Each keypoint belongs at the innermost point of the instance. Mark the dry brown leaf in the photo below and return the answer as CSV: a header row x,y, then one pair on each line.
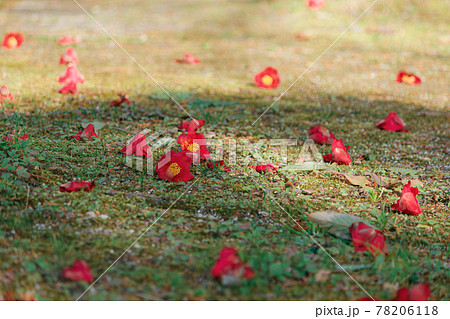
x,y
322,275
353,180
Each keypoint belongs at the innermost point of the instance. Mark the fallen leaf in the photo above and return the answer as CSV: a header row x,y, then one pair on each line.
x,y
336,223
378,180
322,275
353,180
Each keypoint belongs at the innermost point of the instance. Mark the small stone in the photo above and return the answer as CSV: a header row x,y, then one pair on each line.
x,y
91,214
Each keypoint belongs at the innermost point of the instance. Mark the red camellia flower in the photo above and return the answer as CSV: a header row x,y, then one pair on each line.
x,y
302,37
420,292
80,271
315,4
122,99
408,203
229,266
69,57
190,59
265,168
191,126
366,238
408,78
138,146
87,132
339,153
194,143
71,75
218,164
77,186
5,95
70,78
68,40
12,138
68,88
175,167
268,78
13,40
392,123
321,135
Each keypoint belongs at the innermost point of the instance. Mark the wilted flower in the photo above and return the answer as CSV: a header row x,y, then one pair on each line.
x,y
392,123
321,135
70,56
366,238
87,132
138,146
190,59
408,203
80,271
229,268
77,186
5,95
339,153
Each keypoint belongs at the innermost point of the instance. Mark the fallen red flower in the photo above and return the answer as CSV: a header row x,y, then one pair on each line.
x,y
71,75
407,202
13,40
191,126
392,123
302,37
194,143
12,138
267,78
11,296
5,95
265,168
408,78
68,40
68,88
175,167
420,292
190,59
80,271
137,146
218,164
315,4
229,264
339,153
122,99
321,135
87,132
77,186
366,238
70,56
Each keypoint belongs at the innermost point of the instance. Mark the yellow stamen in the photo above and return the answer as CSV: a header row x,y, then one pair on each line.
x,y
409,79
194,147
174,169
267,80
12,42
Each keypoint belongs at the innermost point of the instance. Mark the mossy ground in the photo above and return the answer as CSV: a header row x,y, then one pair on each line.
x,y
42,231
